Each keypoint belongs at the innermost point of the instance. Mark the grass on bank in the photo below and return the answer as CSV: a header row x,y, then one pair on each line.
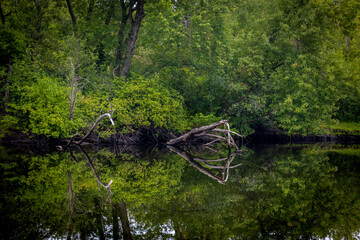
x,y
343,128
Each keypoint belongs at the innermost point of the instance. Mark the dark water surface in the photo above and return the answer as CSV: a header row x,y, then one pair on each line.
x,y
273,192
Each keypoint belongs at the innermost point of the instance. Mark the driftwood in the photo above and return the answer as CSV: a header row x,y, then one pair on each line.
x,y
108,114
210,132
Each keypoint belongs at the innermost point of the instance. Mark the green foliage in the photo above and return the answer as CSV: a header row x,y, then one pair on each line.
x,y
200,120
44,110
46,105
304,105
343,128
142,102
262,64
285,66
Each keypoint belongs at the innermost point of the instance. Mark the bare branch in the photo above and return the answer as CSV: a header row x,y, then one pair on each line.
x,y
188,135
222,130
210,160
72,138
93,127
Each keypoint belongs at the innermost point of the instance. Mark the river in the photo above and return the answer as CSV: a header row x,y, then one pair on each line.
x,y
265,192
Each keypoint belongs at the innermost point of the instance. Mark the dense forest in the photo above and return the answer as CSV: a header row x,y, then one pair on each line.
x,y
289,66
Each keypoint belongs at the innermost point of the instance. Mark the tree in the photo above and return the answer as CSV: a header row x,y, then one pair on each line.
x,y
126,44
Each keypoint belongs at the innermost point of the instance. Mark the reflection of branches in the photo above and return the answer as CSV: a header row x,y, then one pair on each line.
x,y
108,186
98,222
193,161
72,155
125,221
71,199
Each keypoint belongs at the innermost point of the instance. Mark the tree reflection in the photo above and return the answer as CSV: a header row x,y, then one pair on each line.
x,y
278,193
194,161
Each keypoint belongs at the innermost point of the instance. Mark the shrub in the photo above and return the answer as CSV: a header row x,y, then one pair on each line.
x,y
141,102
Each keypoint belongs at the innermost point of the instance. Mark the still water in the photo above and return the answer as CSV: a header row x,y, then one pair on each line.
x,y
267,192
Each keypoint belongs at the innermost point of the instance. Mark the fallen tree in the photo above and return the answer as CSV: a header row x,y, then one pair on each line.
x,y
211,132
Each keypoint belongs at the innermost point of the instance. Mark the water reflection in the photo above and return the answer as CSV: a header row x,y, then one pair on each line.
x,y
286,192
206,169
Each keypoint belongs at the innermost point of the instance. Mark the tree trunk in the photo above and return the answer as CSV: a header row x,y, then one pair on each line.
x,y
72,97
7,86
73,80
125,221
90,10
188,135
2,15
73,18
126,48
121,36
131,40
106,186
206,132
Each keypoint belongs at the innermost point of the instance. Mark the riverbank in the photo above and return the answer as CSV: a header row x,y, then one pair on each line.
x,y
343,129
276,138
341,132
344,133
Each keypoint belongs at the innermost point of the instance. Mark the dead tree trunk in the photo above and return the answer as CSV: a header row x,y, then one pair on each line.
x,y
7,86
74,83
109,115
210,132
71,199
193,132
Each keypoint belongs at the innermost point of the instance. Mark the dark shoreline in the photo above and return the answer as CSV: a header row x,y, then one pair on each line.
x,y
264,138
144,137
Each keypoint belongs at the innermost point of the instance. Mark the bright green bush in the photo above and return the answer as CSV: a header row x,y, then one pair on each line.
x,y
141,102
43,109
46,105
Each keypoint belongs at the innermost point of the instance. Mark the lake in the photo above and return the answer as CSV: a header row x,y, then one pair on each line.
x,y
266,192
